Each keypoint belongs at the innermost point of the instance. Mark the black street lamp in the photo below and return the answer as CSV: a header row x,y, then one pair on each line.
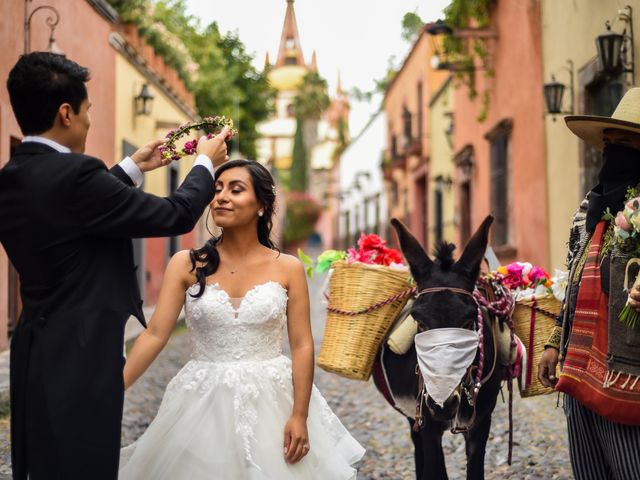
x,y
615,50
554,91
553,95
609,45
144,101
52,21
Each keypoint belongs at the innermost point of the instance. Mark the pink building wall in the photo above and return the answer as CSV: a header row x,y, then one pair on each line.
x,y
516,95
82,34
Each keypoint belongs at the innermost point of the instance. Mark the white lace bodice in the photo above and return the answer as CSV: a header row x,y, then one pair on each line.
x,y
251,332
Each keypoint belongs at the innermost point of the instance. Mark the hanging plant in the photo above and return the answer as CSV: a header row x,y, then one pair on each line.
x,y
463,14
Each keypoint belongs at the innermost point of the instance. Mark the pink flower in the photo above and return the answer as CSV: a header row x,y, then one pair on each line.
x,y
622,222
537,274
359,256
514,277
515,269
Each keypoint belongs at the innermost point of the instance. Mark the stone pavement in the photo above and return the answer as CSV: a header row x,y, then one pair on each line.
x,y
540,450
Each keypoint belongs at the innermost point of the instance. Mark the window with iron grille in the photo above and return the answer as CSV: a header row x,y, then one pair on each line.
x,y
173,182
406,126
499,139
420,111
439,227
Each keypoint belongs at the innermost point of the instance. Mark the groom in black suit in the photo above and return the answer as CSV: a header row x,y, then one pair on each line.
x,y
66,223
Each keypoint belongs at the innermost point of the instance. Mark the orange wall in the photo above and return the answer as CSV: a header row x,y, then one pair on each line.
x,y
410,173
83,35
516,94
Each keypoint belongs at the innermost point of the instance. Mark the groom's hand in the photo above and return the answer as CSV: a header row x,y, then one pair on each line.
x,y
215,148
148,157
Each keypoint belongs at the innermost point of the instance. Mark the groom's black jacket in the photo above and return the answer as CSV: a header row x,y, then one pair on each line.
x,y
66,223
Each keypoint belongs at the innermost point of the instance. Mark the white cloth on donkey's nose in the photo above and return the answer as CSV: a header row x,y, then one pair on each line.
x,y
444,354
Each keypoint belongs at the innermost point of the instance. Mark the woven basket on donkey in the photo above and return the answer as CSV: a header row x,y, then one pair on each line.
x,y
533,321
363,302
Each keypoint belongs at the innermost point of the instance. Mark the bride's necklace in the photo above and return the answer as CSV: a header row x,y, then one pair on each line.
x,y
234,269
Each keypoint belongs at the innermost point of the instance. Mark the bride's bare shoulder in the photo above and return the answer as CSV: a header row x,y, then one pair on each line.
x,y
181,267
291,267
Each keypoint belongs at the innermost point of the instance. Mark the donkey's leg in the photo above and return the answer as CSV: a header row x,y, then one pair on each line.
x,y
476,443
416,438
434,467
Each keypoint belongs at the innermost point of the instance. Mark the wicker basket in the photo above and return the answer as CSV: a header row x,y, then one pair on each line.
x,y
537,317
363,302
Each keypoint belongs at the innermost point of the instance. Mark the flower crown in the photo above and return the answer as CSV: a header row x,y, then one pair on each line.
x,y
210,125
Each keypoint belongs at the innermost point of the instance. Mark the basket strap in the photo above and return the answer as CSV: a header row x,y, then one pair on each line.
x,y
543,311
532,330
399,296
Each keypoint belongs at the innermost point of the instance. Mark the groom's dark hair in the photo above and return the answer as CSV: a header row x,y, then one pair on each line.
x,y
39,83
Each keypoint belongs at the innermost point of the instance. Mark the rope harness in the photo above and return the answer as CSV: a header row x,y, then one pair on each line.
x,y
501,307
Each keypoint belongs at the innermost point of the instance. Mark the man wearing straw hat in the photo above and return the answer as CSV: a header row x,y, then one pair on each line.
x,y
600,354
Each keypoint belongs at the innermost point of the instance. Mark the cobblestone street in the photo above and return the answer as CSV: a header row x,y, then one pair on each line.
x,y
540,439
540,449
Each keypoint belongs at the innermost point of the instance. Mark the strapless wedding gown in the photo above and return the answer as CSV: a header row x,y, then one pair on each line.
x,y
223,415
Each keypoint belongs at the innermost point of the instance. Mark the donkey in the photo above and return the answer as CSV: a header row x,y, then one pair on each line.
x,y
447,303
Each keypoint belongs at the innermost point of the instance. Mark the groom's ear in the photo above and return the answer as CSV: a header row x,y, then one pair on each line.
x,y
64,115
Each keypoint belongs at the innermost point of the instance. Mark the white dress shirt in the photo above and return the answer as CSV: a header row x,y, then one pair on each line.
x,y
127,164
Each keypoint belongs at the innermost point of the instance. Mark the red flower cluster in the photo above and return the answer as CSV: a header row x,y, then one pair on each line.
x,y
373,250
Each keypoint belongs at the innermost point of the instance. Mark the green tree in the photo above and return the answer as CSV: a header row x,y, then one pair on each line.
x,y
311,97
411,26
299,180
310,102
215,67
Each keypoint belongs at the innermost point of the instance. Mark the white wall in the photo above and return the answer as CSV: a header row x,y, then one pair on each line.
x,y
364,154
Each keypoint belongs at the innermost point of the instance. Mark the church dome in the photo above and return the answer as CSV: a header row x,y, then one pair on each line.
x,y
287,77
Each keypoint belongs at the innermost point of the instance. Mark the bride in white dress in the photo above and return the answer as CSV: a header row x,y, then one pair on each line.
x,y
239,409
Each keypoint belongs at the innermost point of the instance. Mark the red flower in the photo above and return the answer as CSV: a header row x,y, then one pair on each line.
x,y
371,242
392,256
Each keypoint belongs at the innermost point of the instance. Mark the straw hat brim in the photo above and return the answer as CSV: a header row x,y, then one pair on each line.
x,y
590,128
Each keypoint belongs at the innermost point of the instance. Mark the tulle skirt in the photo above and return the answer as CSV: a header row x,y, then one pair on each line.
x,y
225,420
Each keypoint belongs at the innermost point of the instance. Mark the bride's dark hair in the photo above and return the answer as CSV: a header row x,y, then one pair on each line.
x,y
265,190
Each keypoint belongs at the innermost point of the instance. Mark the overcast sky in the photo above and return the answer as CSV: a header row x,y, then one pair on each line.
x,y
355,37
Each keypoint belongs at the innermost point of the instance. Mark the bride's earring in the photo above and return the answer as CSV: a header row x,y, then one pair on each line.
x,y
260,213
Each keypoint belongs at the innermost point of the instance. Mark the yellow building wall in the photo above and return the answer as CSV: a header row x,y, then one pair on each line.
x,y
140,129
441,163
569,30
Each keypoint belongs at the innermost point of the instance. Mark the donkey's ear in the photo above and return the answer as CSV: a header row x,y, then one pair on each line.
x,y
476,247
419,261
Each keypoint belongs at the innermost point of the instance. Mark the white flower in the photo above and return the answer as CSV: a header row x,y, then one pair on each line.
x,y
560,279
635,221
526,267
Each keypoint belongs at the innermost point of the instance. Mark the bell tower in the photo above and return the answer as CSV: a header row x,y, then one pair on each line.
x,y
290,51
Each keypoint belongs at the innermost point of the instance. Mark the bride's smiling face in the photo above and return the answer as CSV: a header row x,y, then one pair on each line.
x,y
235,203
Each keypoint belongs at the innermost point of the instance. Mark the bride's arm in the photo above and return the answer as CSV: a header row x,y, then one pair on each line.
x,y
153,339
301,343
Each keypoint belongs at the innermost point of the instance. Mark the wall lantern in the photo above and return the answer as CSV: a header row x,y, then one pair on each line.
x,y
465,164
615,50
451,128
52,21
443,183
144,101
554,91
439,59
